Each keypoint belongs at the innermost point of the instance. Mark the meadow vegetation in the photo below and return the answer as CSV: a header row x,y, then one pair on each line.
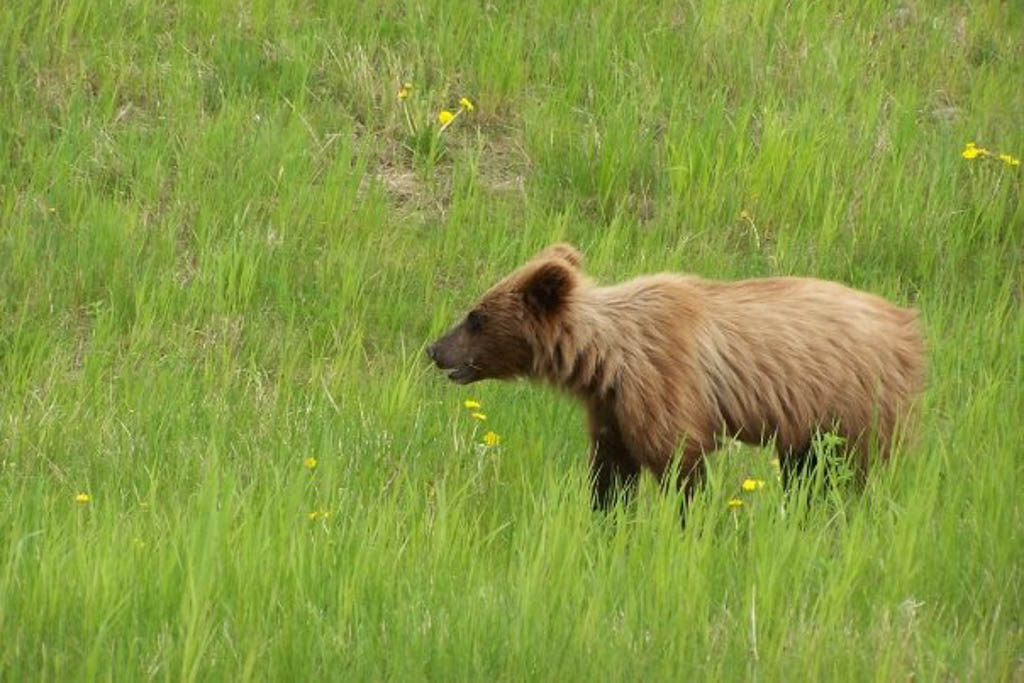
x,y
225,240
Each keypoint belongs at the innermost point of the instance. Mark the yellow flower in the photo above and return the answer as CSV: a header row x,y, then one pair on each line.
x,y
466,104
478,416
735,503
471,404
973,152
318,514
752,484
82,498
445,117
491,439
310,463
1009,160
403,92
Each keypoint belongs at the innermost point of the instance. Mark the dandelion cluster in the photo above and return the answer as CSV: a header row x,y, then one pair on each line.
x,y
473,406
972,151
445,117
746,486
82,498
475,409
320,513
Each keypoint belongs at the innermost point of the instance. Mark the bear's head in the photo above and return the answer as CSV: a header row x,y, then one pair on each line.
x,y
498,337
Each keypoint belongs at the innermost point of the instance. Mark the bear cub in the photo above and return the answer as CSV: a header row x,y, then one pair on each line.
x,y
673,364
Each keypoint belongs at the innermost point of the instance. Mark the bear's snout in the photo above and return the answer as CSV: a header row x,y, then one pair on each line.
x,y
450,355
440,352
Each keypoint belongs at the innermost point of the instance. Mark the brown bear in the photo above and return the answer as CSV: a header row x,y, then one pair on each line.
x,y
675,363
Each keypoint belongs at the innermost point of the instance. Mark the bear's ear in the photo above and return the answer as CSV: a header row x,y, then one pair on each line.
x,y
562,250
546,288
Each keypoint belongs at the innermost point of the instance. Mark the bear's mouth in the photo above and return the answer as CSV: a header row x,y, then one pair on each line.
x,y
464,374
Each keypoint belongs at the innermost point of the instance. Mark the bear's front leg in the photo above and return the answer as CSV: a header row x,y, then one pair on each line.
x,y
612,467
608,478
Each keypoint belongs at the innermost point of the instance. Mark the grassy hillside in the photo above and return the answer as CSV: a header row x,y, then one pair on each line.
x,y
225,241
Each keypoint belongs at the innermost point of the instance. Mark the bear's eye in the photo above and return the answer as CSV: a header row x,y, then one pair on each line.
x,y
475,321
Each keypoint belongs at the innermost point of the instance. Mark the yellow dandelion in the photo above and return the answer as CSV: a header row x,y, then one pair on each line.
x,y
318,514
735,503
309,463
82,498
1009,160
466,104
491,439
445,117
972,151
471,404
478,416
403,92
752,484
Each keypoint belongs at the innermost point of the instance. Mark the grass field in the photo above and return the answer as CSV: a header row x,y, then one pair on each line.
x,y
225,242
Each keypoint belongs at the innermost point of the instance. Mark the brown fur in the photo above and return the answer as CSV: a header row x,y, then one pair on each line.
x,y
668,363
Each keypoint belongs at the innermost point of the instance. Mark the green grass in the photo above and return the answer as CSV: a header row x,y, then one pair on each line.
x,y
219,256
